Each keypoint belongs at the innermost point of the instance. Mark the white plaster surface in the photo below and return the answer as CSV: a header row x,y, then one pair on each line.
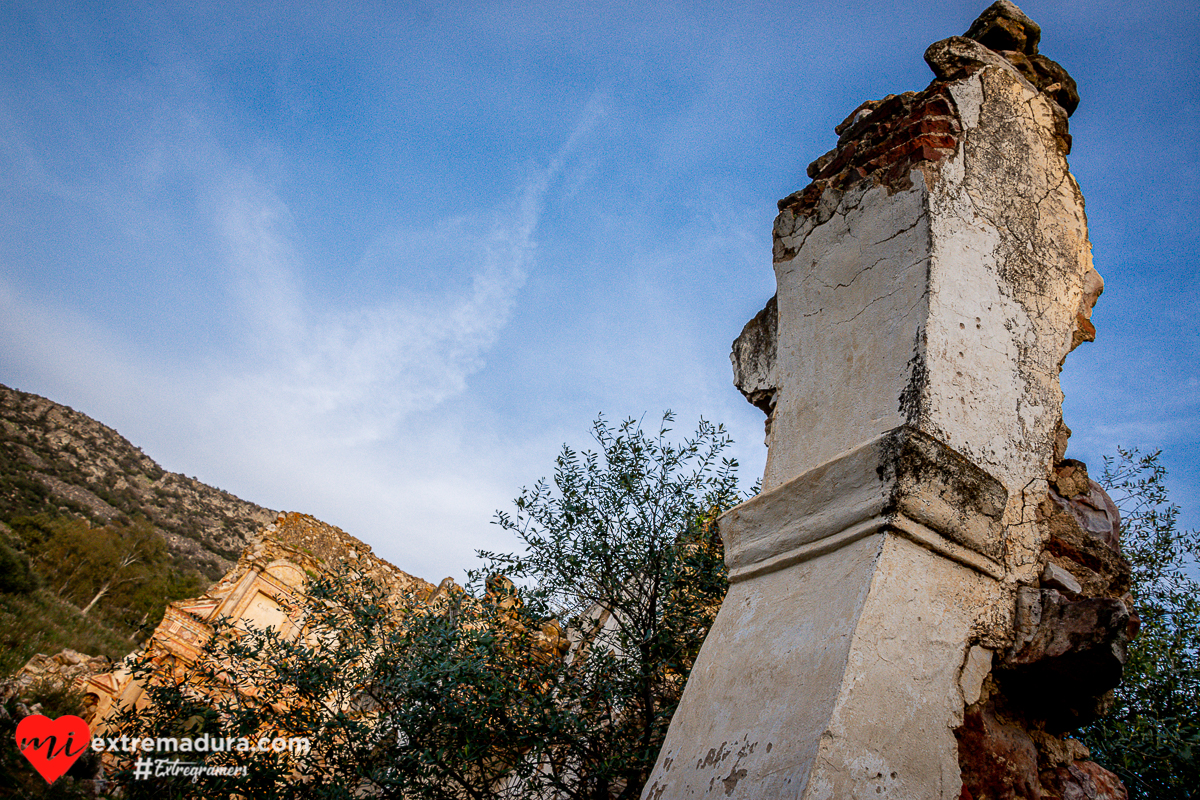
x,y
766,681
855,692
891,733
851,303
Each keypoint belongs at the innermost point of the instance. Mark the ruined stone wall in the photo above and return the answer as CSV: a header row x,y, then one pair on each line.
x,y
928,597
268,578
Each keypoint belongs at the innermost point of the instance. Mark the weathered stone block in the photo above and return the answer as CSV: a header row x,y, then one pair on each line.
x,y
1003,26
1067,654
902,481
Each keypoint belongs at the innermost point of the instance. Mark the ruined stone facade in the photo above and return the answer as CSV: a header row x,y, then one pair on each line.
x,y
926,598
267,579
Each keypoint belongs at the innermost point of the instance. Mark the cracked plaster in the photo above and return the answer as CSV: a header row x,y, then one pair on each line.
x,y
946,303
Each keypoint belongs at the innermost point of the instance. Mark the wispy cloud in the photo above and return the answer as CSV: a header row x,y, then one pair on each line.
x,y
353,374
310,404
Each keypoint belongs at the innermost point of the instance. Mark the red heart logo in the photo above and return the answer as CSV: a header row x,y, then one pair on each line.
x,y
52,745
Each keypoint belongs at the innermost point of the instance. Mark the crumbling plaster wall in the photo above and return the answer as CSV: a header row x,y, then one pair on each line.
x,y
936,274
1015,298
948,304
931,280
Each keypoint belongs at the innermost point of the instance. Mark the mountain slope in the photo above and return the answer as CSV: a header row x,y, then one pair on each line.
x,y
57,461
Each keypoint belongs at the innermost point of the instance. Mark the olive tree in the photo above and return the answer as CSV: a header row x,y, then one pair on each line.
x,y
623,547
554,673
1151,737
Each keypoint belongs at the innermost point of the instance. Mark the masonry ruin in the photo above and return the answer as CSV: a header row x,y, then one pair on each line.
x,y
927,597
267,580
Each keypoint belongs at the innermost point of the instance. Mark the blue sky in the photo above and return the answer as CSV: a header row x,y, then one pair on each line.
x,y
378,263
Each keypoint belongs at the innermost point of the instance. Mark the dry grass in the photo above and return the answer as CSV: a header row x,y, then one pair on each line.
x,y
41,623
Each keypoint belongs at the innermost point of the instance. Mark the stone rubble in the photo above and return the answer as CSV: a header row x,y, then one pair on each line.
x,y
64,669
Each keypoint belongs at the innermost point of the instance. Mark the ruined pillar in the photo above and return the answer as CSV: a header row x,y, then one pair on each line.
x,y
885,631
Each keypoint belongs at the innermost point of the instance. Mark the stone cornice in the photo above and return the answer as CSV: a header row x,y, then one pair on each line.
x,y
903,481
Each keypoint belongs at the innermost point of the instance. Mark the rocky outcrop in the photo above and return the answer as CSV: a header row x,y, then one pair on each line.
x,y
61,670
56,460
1066,655
1003,28
1003,36
1012,758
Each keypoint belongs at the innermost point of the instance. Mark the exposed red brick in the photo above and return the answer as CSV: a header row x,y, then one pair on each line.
x,y
883,141
938,105
944,125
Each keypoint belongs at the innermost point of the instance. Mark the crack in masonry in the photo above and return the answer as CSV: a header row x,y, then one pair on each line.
x,y
1004,259
857,275
843,210
1051,190
874,264
1033,202
803,241
837,236
1022,521
863,310
923,215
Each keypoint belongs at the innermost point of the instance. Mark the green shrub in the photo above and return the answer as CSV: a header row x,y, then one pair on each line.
x,y
16,576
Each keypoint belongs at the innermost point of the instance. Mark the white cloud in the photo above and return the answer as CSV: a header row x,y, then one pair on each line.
x,y
353,374
337,411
